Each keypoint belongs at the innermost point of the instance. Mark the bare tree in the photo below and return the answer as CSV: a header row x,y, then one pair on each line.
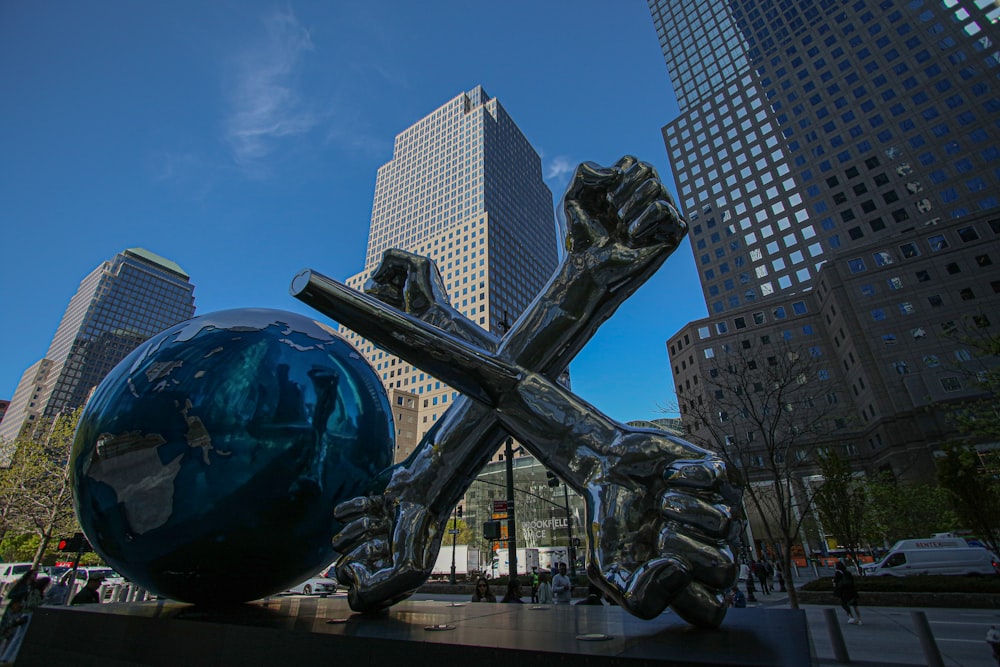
x,y
765,407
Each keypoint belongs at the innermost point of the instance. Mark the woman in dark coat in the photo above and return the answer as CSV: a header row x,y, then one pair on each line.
x,y
843,588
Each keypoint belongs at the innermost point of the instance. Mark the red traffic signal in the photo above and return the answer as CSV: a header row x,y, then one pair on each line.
x,y
76,544
69,544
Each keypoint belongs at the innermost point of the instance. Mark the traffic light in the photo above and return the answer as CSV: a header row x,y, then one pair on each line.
x,y
70,543
552,479
459,511
491,530
76,544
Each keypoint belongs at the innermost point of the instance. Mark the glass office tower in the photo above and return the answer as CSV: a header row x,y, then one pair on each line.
x,y
808,127
839,163
120,304
464,187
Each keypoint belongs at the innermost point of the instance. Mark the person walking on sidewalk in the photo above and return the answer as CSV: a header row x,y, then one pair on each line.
x,y
843,588
757,567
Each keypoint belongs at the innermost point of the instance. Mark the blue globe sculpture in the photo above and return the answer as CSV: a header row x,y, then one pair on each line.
x,y
207,464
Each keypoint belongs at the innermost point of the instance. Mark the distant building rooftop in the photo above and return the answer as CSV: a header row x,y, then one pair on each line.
x,y
173,267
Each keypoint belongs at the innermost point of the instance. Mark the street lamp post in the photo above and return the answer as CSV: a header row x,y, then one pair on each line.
x,y
511,535
569,533
454,537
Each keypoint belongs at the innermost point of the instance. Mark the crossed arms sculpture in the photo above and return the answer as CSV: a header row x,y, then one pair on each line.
x,y
659,511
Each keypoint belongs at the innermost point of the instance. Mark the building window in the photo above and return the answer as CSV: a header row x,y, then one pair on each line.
x,y
937,242
968,234
951,383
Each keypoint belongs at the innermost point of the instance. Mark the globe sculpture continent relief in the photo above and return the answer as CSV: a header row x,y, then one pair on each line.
x,y
207,464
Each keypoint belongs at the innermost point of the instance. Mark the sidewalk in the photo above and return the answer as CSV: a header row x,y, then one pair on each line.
x,y
889,635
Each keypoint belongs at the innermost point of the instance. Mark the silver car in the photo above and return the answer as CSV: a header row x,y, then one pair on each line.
x,y
314,585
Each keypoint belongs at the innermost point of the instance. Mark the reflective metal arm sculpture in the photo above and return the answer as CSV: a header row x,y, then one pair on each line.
x,y
658,508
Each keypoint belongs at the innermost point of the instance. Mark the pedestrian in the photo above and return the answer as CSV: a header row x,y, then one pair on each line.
x,y
750,587
544,589
36,593
736,598
993,639
12,624
89,594
513,593
769,572
761,573
483,592
843,588
23,584
534,584
744,572
58,593
562,588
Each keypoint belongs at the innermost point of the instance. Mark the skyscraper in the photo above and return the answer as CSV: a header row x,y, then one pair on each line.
x,y
465,188
839,163
120,304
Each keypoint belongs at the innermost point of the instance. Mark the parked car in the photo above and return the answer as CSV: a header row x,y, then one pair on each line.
x,y
111,578
314,585
11,572
54,572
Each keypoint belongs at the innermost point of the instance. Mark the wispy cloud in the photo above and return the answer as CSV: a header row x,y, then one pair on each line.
x,y
266,104
558,167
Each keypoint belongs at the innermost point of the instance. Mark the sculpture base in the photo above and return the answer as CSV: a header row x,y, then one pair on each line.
x,y
290,631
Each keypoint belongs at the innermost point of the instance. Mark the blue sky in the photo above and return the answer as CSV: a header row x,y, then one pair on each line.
x,y
241,140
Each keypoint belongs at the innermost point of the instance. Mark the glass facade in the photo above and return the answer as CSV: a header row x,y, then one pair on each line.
x,y
120,304
465,188
838,163
808,127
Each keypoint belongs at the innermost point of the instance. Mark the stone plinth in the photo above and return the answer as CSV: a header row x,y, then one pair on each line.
x,y
294,630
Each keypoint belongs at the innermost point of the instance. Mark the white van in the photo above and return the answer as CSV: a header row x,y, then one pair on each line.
x,y
935,555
